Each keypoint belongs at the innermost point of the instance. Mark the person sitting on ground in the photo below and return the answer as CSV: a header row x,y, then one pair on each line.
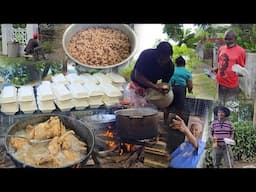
x,y
188,154
33,48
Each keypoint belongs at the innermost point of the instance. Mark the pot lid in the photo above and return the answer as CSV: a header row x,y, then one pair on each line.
x,y
101,118
136,112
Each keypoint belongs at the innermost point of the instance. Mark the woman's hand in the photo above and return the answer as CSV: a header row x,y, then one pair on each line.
x,y
178,123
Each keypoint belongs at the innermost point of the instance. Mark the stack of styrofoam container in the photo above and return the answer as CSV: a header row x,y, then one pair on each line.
x,y
102,78
45,97
26,99
95,94
88,78
117,80
8,100
60,79
80,96
62,97
111,94
74,78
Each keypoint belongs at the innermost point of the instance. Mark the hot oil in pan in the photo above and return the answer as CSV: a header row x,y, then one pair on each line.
x,y
37,155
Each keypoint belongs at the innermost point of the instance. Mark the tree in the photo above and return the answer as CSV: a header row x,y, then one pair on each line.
x,y
178,33
246,35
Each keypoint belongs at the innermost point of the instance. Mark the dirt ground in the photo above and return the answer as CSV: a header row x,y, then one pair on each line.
x,y
241,164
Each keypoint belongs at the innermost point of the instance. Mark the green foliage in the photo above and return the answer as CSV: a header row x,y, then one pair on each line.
x,y
174,31
208,161
245,111
246,36
189,54
126,72
56,67
178,33
245,137
208,45
19,71
47,46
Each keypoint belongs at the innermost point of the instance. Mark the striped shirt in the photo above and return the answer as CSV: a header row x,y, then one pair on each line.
x,y
221,130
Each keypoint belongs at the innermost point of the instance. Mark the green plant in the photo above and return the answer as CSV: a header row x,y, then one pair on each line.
x,y
47,46
189,54
208,45
208,161
126,72
245,137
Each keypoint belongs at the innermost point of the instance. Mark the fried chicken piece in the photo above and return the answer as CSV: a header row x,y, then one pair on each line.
x,y
71,142
30,132
48,129
38,159
71,156
18,143
62,137
54,146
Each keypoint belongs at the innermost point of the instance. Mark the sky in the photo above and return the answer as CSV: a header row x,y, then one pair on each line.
x,y
148,34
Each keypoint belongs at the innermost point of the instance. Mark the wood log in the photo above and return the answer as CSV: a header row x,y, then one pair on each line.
x,y
154,164
158,145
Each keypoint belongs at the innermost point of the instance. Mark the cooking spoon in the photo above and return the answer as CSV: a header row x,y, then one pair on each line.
x,y
31,141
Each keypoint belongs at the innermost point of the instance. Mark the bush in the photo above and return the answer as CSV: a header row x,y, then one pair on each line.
x,y
126,72
245,137
189,54
208,161
47,46
208,45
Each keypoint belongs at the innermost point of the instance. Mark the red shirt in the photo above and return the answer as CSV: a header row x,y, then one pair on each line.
x,y
227,57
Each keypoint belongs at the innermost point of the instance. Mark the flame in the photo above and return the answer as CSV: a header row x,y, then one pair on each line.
x,y
128,146
107,134
111,144
125,147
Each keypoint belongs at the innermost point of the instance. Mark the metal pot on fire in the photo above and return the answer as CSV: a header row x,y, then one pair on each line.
x,y
137,123
101,121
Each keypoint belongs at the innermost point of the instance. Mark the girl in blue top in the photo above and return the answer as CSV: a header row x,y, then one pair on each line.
x,y
181,81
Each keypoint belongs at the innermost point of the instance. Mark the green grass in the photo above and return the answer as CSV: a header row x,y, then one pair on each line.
x,y
9,61
204,87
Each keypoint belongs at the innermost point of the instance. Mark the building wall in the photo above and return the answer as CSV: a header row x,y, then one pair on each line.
x,y
248,83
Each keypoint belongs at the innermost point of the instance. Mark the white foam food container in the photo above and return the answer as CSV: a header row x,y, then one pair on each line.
x,y
8,94
26,93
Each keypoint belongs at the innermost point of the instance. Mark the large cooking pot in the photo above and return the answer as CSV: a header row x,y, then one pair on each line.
x,y
74,28
137,123
82,131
